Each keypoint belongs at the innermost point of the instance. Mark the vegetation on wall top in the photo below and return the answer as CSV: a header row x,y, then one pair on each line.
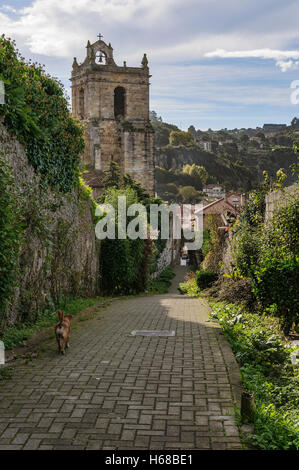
x,y
36,111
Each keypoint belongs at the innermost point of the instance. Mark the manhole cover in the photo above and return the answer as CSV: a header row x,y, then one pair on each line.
x,y
153,333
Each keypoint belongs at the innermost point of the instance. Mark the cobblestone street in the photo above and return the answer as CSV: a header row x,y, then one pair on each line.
x,y
113,390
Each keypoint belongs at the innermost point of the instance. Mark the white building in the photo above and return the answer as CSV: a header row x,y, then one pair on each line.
x,y
214,190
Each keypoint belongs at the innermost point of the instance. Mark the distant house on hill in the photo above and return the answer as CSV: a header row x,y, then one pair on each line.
x,y
204,144
207,145
226,207
227,141
214,190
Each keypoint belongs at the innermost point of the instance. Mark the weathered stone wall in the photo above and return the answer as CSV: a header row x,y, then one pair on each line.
x,y
58,254
137,150
276,199
169,255
227,258
165,259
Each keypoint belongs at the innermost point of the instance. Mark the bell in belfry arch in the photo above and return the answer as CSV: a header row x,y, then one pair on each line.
x,y
101,58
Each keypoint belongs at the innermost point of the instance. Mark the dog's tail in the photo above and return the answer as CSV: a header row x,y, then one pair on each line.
x,y
59,330
60,315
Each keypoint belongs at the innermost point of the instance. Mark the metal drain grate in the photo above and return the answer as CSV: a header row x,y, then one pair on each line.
x,y
153,333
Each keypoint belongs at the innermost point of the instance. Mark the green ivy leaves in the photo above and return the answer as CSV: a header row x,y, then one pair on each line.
x,y
37,112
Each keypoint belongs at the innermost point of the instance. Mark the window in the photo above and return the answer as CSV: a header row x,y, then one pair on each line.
x,y
119,102
235,199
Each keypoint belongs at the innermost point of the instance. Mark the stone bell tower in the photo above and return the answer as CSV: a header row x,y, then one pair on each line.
x,y
113,103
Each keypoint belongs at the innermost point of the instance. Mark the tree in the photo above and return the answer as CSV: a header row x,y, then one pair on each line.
x,y
154,117
192,130
197,172
244,138
188,194
162,131
171,188
112,176
261,135
180,138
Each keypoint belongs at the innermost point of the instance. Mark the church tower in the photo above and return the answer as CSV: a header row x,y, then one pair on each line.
x,y
113,103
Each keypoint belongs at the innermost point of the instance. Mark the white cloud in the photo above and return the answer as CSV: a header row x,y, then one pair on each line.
x,y
286,65
60,27
167,29
182,40
278,55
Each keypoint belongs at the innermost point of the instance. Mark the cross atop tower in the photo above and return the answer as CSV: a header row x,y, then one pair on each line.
x,y
100,36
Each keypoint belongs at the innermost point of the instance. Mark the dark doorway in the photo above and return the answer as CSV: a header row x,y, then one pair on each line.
x,y
119,102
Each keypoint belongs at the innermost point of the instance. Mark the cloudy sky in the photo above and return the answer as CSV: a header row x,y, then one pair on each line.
x,y
213,63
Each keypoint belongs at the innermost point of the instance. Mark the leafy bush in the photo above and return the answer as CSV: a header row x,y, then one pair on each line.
x,y
205,278
10,235
180,138
189,286
281,237
269,254
254,211
122,258
259,347
206,242
276,281
161,284
215,243
246,247
275,422
232,291
255,339
120,265
125,263
37,112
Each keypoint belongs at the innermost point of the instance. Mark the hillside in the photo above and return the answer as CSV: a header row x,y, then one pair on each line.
x,y
234,159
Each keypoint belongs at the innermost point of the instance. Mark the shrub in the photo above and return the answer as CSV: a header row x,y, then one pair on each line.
x,y
246,247
205,278
259,348
125,263
180,138
281,237
161,284
10,235
215,243
236,291
189,286
206,242
276,282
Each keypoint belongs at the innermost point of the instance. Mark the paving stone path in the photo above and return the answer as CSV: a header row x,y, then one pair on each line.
x,y
117,391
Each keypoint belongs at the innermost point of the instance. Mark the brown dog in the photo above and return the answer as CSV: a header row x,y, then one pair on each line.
x,y
63,331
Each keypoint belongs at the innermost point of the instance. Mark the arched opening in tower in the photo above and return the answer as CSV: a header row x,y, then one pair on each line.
x,y
119,102
81,103
101,58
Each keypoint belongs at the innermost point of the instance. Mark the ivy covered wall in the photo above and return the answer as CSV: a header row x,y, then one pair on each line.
x,y
49,250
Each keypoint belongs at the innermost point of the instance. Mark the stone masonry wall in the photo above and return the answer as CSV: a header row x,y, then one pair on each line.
x,y
137,149
59,254
276,199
